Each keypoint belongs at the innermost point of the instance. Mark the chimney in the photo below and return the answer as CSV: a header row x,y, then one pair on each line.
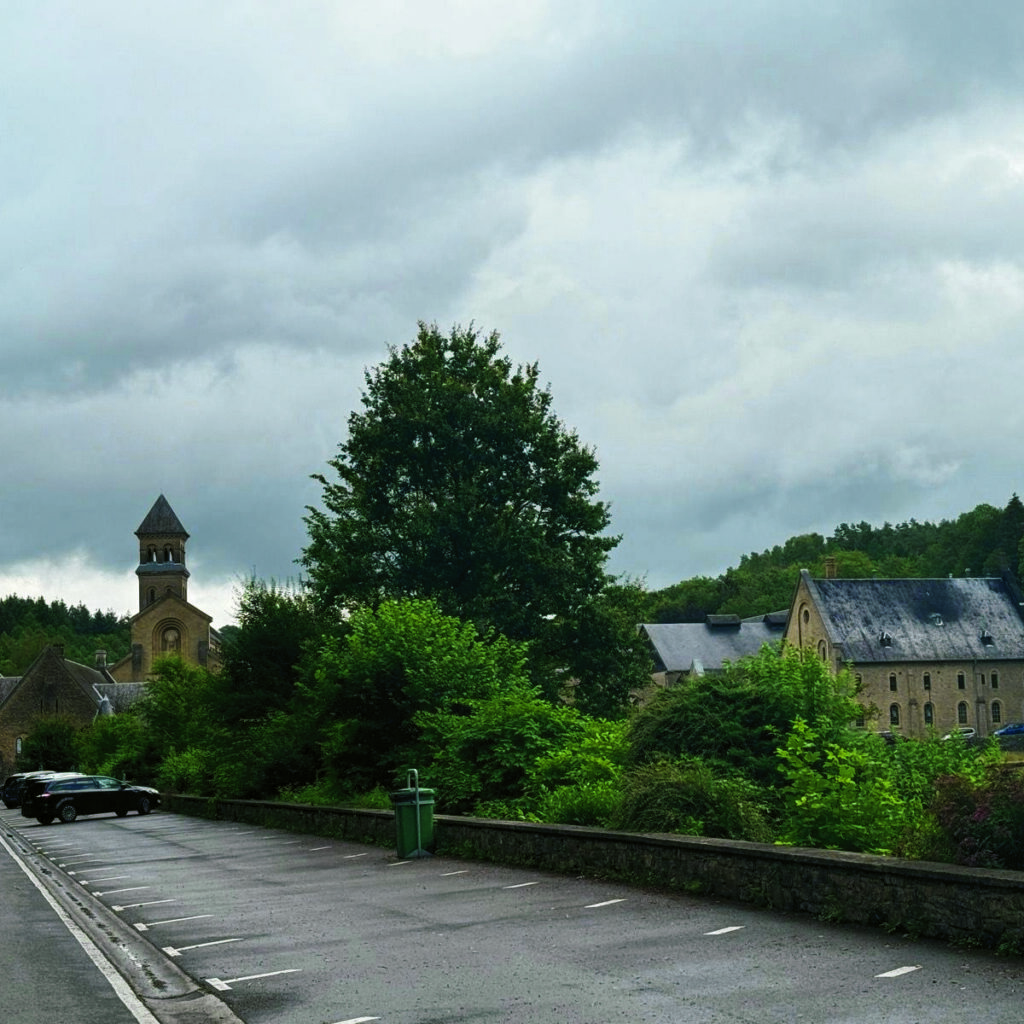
x,y
101,659
830,568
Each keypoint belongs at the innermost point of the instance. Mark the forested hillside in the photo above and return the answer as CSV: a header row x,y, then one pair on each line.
x,y
27,625
982,542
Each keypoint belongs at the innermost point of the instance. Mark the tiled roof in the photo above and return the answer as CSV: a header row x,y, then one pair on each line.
x,y
922,619
684,646
161,521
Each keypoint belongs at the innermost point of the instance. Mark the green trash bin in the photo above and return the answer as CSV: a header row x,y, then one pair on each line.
x,y
414,818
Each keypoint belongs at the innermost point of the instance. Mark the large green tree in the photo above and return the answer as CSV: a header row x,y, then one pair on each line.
x,y
458,483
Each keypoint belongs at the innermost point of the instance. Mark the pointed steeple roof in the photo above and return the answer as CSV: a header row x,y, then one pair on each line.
x,y
161,521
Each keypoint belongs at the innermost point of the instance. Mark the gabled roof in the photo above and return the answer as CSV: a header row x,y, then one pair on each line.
x,y
161,521
85,677
697,646
921,619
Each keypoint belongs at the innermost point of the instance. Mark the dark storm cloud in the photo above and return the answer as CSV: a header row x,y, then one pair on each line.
x,y
766,253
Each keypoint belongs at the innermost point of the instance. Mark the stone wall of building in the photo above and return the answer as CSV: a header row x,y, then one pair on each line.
x,y
970,905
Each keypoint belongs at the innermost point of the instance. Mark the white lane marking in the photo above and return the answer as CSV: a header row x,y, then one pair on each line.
x,y
607,903
353,856
521,885
130,888
357,1020
448,874
398,863
225,986
898,972
145,926
134,1005
109,878
172,951
88,856
313,849
731,928
133,906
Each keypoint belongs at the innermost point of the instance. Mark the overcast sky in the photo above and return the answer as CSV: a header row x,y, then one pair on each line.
x,y
768,255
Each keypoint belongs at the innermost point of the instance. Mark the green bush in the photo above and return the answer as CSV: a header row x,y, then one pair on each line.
x,y
687,797
596,804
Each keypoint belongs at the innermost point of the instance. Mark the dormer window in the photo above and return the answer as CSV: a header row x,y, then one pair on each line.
x,y
885,639
935,619
987,638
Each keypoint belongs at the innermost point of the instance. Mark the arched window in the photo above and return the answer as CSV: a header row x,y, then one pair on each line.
x,y
168,553
961,712
17,746
152,553
927,680
170,642
929,714
892,681
997,712
894,714
823,650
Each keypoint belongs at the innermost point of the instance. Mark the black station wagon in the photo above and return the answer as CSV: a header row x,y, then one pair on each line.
x,y
67,796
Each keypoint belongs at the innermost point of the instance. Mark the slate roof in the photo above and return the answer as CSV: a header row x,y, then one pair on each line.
x,y
697,646
122,695
922,619
161,520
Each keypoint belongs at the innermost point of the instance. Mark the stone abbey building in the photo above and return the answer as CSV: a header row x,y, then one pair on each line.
x,y
165,624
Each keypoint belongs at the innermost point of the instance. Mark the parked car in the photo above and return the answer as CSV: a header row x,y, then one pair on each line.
x,y
966,732
68,797
1013,729
13,785
30,787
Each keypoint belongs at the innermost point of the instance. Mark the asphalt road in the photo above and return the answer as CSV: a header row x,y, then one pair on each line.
x,y
291,929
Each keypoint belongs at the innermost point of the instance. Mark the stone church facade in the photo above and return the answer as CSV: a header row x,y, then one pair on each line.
x,y
166,623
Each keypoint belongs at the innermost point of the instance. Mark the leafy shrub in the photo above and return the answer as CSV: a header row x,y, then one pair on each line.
x,y
596,804
685,796
838,798
983,823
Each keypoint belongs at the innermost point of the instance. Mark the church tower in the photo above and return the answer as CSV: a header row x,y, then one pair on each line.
x,y
161,568
166,624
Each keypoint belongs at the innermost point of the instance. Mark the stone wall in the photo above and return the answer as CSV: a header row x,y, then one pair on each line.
x,y
966,905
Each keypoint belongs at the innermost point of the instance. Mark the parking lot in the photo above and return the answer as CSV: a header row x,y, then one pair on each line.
x,y
292,928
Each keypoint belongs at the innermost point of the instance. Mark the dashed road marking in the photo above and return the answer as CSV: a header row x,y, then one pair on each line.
x,y
225,986
448,874
521,885
144,926
354,856
314,849
397,863
357,1020
731,928
130,888
135,906
899,970
109,878
606,903
177,951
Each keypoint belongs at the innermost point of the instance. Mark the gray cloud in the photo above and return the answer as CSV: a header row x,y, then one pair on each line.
x,y
768,256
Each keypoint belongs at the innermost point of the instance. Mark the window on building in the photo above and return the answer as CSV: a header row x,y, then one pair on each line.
x,y
961,712
995,680
929,714
927,680
823,650
892,681
17,746
171,640
961,681
997,712
894,714
152,595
